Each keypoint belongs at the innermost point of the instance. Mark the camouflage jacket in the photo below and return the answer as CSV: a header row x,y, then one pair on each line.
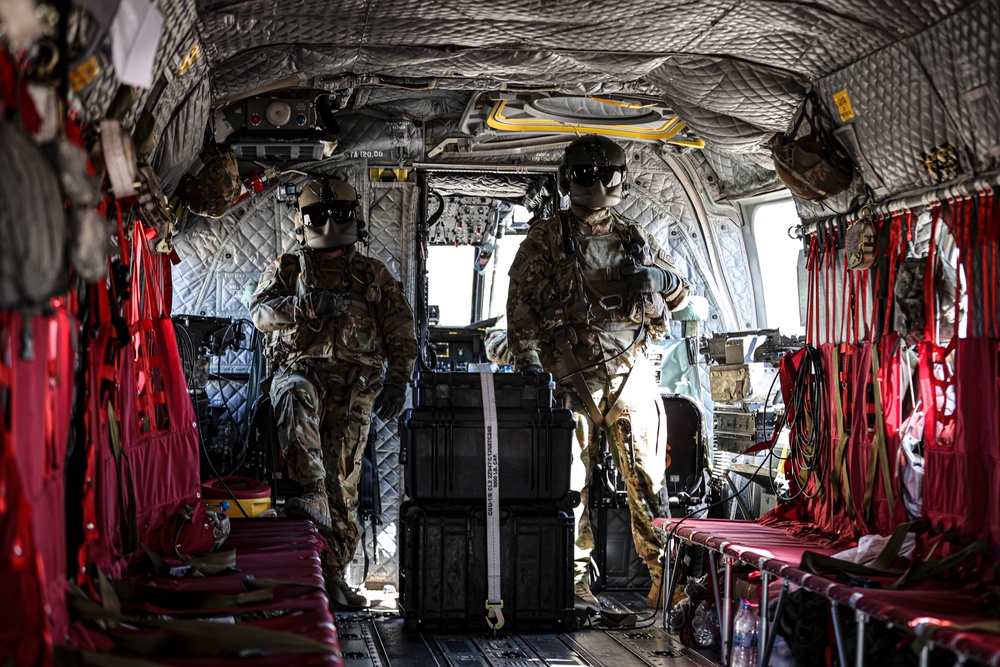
x,y
579,296
372,323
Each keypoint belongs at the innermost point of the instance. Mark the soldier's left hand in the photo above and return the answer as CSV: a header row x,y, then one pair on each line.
x,y
389,403
641,279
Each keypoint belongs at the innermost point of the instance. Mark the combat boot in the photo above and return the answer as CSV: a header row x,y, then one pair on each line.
x,y
656,593
342,596
584,599
312,505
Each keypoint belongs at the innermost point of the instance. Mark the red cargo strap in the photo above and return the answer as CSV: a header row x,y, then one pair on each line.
x,y
26,637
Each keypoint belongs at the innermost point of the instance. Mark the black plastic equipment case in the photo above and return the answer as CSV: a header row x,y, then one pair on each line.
x,y
444,454
464,390
443,569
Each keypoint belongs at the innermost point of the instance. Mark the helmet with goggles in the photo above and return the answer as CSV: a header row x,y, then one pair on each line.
x,y
329,215
593,171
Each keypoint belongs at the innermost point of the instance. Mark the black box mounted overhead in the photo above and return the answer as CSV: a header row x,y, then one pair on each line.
x,y
280,126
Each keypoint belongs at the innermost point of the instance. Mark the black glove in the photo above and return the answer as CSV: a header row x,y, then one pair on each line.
x,y
389,403
318,303
532,368
641,279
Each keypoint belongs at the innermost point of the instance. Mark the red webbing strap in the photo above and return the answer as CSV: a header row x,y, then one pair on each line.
x,y
26,634
831,288
895,253
991,233
868,332
812,309
14,93
846,380
147,304
857,311
930,357
6,378
879,456
846,305
53,457
841,389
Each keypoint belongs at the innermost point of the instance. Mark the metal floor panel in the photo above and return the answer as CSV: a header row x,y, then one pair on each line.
x,y
377,639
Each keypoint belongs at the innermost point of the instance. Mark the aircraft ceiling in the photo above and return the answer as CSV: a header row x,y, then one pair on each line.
x,y
734,71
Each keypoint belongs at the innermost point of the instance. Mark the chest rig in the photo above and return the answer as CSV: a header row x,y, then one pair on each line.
x,y
588,273
356,294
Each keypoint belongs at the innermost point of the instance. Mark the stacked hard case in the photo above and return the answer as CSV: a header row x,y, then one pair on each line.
x,y
442,537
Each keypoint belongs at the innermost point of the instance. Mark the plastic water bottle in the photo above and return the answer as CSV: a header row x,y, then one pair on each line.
x,y
745,637
705,624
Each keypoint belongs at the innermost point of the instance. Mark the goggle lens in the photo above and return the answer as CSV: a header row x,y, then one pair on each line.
x,y
588,174
322,213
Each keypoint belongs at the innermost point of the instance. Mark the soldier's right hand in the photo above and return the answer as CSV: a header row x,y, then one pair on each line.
x,y
318,303
532,368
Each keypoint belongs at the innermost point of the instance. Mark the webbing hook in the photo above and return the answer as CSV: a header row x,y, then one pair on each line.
x,y
494,614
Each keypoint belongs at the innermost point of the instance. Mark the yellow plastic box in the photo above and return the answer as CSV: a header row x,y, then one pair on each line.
x,y
253,496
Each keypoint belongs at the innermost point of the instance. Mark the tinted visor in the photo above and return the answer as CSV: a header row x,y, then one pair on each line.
x,y
339,212
587,174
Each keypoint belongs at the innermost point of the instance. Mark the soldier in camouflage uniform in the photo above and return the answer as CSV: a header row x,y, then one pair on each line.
x,y
342,344
588,290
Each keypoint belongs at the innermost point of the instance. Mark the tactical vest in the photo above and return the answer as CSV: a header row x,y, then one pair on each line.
x,y
351,334
588,281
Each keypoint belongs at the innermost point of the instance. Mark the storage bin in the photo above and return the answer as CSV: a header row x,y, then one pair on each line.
x,y
252,495
444,454
443,568
464,390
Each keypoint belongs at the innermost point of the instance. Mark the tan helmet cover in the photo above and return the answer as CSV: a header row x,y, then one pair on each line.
x,y
330,235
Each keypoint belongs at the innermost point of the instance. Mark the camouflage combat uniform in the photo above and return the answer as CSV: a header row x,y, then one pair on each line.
x,y
569,311
329,371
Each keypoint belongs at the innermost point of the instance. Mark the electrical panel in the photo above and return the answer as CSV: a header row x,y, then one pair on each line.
x,y
285,125
463,220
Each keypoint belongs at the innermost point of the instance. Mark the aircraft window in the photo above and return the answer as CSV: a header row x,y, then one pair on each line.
x,y
450,283
497,283
464,295
779,256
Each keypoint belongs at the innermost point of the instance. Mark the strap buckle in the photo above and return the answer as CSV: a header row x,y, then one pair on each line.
x,y
494,614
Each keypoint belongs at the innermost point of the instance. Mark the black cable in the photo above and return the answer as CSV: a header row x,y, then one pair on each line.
x,y
650,620
219,477
808,402
607,360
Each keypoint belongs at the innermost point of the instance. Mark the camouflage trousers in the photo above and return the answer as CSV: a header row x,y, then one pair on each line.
x,y
323,432
637,441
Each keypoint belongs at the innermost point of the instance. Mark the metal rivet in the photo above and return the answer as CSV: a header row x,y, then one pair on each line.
x,y
17,550
90,526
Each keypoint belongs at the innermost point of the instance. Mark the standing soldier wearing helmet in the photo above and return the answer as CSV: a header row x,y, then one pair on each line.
x,y
341,344
589,288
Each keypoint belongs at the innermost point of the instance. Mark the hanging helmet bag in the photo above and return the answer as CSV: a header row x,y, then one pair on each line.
x,y
813,166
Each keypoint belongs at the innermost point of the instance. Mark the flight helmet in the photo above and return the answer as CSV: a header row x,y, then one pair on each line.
x,y
329,215
593,171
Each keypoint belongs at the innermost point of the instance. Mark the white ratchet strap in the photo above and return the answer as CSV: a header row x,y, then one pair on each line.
x,y
494,602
